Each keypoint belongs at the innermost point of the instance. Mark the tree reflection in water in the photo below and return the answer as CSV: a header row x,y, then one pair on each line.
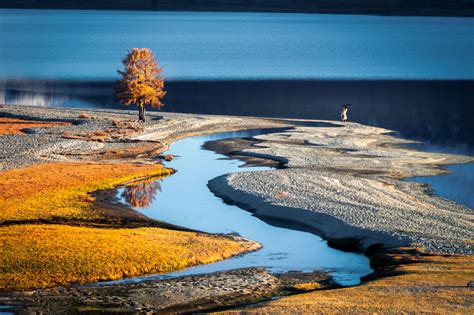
x,y
141,194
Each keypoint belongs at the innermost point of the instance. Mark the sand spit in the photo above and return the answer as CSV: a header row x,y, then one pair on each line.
x,y
346,182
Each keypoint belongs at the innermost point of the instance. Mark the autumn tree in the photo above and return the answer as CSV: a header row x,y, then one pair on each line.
x,y
141,83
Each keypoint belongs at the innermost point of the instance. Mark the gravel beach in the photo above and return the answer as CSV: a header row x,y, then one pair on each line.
x,y
85,140
347,182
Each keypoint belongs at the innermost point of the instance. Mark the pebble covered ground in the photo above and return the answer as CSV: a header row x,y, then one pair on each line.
x,y
197,292
85,139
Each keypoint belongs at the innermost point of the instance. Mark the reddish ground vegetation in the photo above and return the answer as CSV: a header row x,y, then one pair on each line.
x,y
14,126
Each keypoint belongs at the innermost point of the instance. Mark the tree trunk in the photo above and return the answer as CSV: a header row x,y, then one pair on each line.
x,y
141,114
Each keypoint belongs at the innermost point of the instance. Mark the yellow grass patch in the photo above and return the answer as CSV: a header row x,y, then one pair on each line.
x,y
63,190
45,255
308,286
437,285
15,125
36,256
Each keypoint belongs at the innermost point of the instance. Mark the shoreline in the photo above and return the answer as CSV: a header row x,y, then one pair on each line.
x,y
404,100
345,241
121,217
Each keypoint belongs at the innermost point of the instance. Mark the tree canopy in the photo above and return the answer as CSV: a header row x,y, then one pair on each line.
x,y
141,83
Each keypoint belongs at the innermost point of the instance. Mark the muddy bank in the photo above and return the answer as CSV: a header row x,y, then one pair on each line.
x,y
213,291
412,282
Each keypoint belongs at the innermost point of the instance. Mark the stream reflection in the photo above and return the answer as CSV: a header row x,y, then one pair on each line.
x,y
142,193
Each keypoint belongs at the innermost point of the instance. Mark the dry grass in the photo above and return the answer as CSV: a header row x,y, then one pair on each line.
x,y
437,285
88,137
37,256
62,190
14,126
45,255
308,286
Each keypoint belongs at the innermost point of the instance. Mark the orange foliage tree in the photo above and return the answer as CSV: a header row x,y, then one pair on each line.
x,y
141,83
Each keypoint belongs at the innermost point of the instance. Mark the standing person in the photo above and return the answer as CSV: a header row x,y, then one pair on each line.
x,y
345,109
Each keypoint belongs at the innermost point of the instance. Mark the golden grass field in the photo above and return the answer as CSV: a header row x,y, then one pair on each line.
x,y
15,125
62,190
433,285
38,255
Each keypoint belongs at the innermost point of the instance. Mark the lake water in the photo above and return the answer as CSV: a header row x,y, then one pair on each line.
x,y
85,45
411,74
458,184
184,199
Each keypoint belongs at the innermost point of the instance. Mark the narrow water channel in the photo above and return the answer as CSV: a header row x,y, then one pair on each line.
x,y
184,199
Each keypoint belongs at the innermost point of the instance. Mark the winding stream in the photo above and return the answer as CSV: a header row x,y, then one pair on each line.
x,y
184,199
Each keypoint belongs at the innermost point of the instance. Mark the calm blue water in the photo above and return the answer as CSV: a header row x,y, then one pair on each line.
x,y
457,185
58,44
184,199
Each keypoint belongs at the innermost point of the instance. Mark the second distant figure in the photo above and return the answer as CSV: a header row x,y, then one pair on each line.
x,y
345,109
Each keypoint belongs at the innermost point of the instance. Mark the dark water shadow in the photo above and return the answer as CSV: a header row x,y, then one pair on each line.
x,y
436,111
